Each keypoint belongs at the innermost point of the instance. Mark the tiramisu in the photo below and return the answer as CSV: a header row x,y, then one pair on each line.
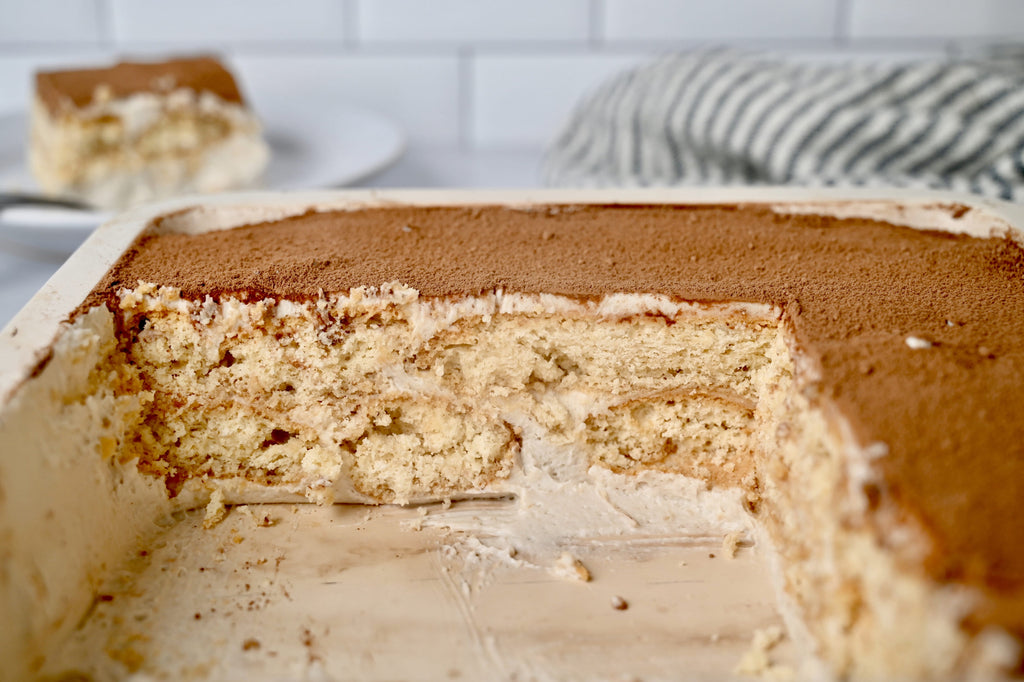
x,y
139,131
856,383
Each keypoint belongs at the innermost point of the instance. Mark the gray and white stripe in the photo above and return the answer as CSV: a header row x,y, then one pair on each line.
x,y
720,117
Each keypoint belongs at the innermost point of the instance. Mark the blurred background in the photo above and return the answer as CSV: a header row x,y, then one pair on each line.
x,y
478,86
473,89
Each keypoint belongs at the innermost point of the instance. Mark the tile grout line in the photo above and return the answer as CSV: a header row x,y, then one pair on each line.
x,y
465,93
350,23
844,8
332,48
105,22
596,21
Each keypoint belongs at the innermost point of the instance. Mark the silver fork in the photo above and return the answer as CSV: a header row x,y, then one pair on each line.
x,y
21,199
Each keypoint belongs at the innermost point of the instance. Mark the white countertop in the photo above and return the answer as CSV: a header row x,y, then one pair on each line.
x,y
24,270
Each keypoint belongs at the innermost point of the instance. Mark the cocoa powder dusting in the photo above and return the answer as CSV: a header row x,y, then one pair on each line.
x,y
78,87
853,290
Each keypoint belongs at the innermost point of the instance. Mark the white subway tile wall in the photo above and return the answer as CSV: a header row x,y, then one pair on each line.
x,y
215,23
419,92
33,22
721,20
473,21
474,74
519,100
937,19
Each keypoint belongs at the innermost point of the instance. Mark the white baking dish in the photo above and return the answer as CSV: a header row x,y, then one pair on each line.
x,y
110,583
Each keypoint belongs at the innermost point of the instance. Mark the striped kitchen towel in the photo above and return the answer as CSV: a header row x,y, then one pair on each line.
x,y
720,117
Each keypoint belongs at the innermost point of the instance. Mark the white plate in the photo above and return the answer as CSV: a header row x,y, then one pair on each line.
x,y
311,148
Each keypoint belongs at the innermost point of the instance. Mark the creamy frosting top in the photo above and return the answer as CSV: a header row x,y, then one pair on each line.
x,y
919,334
79,87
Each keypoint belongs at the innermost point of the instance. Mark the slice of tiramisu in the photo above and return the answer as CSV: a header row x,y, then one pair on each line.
x,y
139,131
